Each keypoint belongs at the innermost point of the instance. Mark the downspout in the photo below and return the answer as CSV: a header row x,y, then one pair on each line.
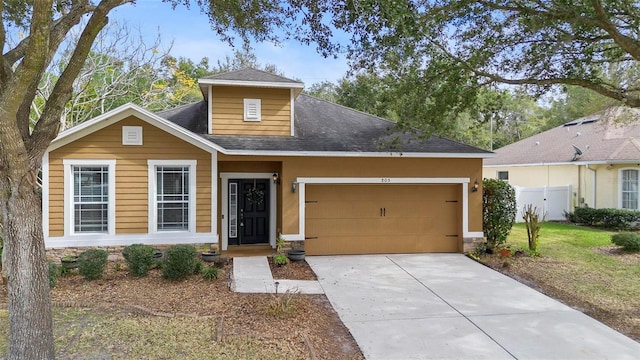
x,y
593,190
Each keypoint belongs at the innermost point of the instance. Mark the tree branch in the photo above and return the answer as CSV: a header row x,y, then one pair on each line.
x,y
4,69
628,44
47,127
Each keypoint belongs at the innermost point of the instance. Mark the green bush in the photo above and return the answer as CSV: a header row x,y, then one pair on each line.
x,y
280,260
179,261
199,267
92,263
498,211
54,271
617,219
628,240
139,258
210,273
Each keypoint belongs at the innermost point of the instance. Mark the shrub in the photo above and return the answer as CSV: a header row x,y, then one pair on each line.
x,y
618,219
628,240
179,261
498,211
54,271
210,273
198,268
91,263
284,303
533,220
139,258
280,260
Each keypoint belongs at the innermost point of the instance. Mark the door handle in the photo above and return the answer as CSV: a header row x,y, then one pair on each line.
x,y
241,217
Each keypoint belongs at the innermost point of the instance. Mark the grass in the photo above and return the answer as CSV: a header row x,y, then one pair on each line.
x,y
93,334
570,261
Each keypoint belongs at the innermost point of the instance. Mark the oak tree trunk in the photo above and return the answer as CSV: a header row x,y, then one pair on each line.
x,y
30,321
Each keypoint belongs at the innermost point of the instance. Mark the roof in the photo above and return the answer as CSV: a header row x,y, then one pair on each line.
x,y
609,136
250,74
251,78
322,126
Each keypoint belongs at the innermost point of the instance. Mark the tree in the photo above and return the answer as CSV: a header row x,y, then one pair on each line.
x,y
46,25
120,68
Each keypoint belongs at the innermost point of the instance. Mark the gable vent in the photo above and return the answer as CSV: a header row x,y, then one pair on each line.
x,y
132,135
251,109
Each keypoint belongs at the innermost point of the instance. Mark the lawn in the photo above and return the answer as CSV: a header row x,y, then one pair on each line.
x,y
581,267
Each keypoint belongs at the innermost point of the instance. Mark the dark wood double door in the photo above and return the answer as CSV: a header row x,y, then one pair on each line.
x,y
249,201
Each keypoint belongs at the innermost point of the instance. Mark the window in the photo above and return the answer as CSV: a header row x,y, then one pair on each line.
x,y
173,195
252,110
233,210
629,189
90,188
503,175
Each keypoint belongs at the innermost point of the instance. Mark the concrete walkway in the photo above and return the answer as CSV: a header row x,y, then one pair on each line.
x,y
253,275
446,306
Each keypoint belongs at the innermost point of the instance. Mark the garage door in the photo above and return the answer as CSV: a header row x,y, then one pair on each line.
x,y
370,219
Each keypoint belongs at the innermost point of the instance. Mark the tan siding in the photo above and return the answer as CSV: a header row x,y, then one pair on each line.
x,y
131,174
293,167
228,106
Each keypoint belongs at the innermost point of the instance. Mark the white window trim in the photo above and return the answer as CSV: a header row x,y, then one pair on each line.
x,y
302,181
258,104
502,171
153,208
69,213
619,192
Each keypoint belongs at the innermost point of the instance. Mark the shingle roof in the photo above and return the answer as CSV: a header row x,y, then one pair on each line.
x,y
322,126
610,135
249,74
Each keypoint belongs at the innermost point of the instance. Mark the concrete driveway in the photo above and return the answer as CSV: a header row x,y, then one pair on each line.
x,y
446,306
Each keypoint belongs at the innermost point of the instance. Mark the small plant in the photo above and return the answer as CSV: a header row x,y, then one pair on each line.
x,y
210,273
91,263
533,220
280,260
54,271
139,258
65,271
280,241
282,304
628,240
179,262
198,268
117,267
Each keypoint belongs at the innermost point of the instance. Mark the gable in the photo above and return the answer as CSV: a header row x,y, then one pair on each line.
x,y
237,110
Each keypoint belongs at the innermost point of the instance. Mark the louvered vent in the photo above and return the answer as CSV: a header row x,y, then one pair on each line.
x,y
132,135
251,109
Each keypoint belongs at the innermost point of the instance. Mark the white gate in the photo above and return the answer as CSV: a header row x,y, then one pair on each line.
x,y
554,200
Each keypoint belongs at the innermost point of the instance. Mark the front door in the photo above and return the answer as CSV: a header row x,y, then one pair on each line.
x,y
248,211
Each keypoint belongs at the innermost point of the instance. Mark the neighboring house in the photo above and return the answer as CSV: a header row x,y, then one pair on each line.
x,y
254,160
597,156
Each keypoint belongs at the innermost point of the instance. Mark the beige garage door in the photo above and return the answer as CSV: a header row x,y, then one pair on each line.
x,y
375,219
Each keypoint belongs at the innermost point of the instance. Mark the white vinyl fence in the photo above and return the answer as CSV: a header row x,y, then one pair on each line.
x,y
554,200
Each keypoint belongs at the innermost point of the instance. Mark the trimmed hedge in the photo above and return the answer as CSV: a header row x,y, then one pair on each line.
x,y
139,258
179,262
498,211
618,219
629,241
92,263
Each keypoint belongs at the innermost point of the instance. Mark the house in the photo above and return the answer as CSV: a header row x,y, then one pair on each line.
x,y
257,159
597,157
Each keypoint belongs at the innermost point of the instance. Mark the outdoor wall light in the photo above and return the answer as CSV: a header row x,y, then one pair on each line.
x,y
475,186
294,186
276,178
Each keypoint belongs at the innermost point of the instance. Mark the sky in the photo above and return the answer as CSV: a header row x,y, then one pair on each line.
x,y
193,38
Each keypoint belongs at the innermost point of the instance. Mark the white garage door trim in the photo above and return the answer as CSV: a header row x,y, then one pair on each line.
x,y
302,181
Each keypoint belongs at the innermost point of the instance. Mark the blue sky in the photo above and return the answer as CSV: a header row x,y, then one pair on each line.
x,y
193,38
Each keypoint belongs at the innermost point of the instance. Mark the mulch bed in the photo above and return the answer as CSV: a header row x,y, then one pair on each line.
x,y
244,314
294,270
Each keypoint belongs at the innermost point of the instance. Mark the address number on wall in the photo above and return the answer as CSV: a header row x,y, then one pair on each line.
x,y
385,180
